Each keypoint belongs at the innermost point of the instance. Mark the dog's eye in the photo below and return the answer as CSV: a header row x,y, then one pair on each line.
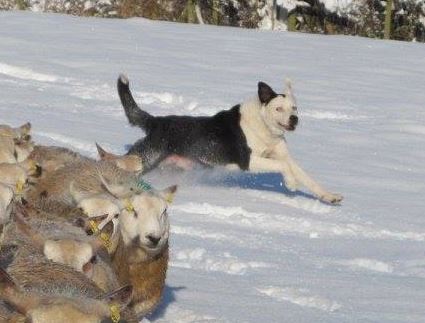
x,y
279,109
294,108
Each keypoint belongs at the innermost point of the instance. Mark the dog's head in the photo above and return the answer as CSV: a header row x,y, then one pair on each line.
x,y
279,111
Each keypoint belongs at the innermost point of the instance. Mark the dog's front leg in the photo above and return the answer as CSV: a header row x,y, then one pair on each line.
x,y
264,165
312,185
281,152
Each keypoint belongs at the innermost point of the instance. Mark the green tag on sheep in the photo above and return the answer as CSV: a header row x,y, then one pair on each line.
x,y
145,186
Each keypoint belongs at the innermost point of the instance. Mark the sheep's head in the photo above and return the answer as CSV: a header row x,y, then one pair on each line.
x,y
22,132
144,222
130,163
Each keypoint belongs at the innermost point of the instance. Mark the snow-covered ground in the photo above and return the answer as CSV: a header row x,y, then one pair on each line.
x,y
243,248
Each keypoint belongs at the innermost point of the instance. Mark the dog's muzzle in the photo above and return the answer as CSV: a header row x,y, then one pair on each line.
x,y
293,121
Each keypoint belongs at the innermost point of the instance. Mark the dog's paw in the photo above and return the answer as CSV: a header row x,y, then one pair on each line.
x,y
291,184
331,198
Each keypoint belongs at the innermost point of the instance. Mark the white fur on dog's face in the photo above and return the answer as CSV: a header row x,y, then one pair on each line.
x,y
277,113
147,222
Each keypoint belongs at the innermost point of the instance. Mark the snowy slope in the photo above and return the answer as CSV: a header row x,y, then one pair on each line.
x,y
243,248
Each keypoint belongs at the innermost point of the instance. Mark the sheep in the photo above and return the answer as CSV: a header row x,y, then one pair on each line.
x,y
15,255
52,158
141,257
130,162
86,176
141,254
70,297
18,175
64,243
22,132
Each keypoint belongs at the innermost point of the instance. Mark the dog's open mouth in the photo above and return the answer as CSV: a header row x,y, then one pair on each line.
x,y
287,127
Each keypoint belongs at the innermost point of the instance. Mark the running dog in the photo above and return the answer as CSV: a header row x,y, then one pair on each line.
x,y
249,136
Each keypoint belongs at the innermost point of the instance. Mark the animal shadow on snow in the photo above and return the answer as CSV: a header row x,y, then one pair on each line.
x,y
168,297
271,182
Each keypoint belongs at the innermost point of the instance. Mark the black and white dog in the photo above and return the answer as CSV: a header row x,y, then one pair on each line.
x,y
249,136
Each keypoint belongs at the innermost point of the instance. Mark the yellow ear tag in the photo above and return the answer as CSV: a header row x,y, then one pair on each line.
x,y
33,165
128,206
94,227
115,313
19,187
169,198
105,239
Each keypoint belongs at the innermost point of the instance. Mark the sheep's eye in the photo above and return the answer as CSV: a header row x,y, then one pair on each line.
x,y
93,259
294,108
116,216
135,215
279,109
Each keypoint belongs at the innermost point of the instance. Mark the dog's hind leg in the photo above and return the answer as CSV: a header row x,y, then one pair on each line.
x,y
150,153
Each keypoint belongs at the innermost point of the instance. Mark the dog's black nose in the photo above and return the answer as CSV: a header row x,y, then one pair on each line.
x,y
153,239
293,120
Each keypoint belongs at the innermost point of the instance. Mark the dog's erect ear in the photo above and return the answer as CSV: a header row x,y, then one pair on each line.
x,y
288,87
265,93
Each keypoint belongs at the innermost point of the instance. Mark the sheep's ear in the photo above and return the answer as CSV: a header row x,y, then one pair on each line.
x,y
104,155
25,128
121,296
169,193
265,93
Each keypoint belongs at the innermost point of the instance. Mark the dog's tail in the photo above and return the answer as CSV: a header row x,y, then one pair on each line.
x,y
135,115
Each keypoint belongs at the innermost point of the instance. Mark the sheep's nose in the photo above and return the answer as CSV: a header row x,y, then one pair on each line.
x,y
293,120
153,239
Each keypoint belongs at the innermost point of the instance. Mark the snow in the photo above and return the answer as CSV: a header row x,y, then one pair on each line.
x,y
244,249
